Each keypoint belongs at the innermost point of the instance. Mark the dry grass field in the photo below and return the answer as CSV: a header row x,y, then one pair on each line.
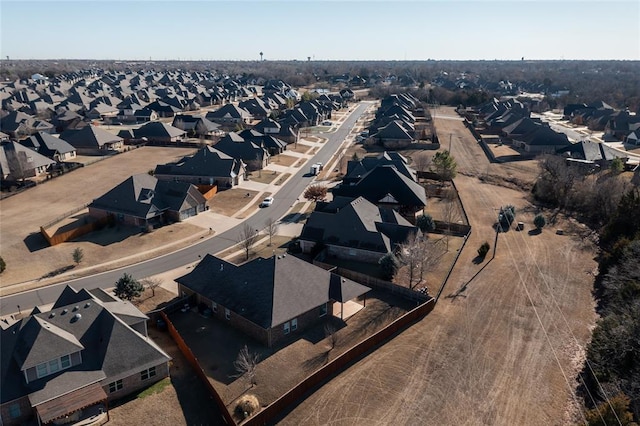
x,y
26,252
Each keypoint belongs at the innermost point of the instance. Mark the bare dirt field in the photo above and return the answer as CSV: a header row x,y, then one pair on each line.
x,y
504,342
21,215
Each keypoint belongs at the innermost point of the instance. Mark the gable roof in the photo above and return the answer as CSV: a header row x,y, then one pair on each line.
x,y
89,137
382,181
267,292
48,145
207,161
144,196
33,160
157,129
357,223
108,346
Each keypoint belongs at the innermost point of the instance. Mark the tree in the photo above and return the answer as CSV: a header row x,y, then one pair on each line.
x,y
422,161
355,157
389,266
77,255
445,165
617,165
330,333
3,265
419,256
272,227
246,363
450,212
315,193
539,221
151,284
612,412
425,223
127,288
247,238
484,249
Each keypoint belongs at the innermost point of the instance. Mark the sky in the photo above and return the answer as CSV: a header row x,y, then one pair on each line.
x,y
321,30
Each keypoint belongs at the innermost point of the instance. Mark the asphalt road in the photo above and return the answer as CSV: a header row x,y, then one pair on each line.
x,y
285,198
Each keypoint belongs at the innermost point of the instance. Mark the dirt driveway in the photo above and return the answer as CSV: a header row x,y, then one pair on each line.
x,y
22,215
504,351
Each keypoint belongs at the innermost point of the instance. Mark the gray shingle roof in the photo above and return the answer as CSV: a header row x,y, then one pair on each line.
x,y
109,348
89,137
267,292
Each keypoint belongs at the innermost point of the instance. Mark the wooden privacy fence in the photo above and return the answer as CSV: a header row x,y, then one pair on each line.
x,y
226,416
382,285
61,237
295,395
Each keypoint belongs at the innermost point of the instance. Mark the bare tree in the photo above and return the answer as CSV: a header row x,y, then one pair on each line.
x,y
246,363
422,161
420,255
450,211
330,333
151,284
272,227
247,238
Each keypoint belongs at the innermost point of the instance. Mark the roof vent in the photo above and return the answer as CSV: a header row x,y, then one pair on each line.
x,y
52,314
64,311
87,305
221,267
75,308
76,317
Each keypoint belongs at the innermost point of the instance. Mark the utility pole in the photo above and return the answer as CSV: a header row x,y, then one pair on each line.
x,y
498,228
450,135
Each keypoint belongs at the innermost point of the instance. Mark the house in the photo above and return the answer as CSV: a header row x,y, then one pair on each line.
x,y
251,153
592,153
268,299
229,115
207,166
272,144
50,146
396,134
18,162
385,186
65,364
143,200
93,140
358,168
355,229
540,140
197,126
156,131
17,124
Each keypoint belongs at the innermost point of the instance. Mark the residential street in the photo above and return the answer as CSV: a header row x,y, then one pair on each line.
x,y
285,198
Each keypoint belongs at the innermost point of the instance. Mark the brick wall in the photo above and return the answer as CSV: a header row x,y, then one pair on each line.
x,y
134,382
26,412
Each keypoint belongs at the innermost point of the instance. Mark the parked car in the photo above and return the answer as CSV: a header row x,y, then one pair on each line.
x,y
326,123
266,202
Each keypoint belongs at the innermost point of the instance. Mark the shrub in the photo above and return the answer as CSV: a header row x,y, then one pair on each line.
x,y
425,223
389,265
3,265
539,221
247,406
484,249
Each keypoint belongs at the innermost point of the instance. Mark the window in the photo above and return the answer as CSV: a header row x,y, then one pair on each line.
x,y
146,374
214,307
227,313
65,361
54,365
115,386
41,370
286,327
294,324
323,310
14,411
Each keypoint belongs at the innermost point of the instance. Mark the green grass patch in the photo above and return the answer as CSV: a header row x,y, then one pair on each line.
x,y
155,388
